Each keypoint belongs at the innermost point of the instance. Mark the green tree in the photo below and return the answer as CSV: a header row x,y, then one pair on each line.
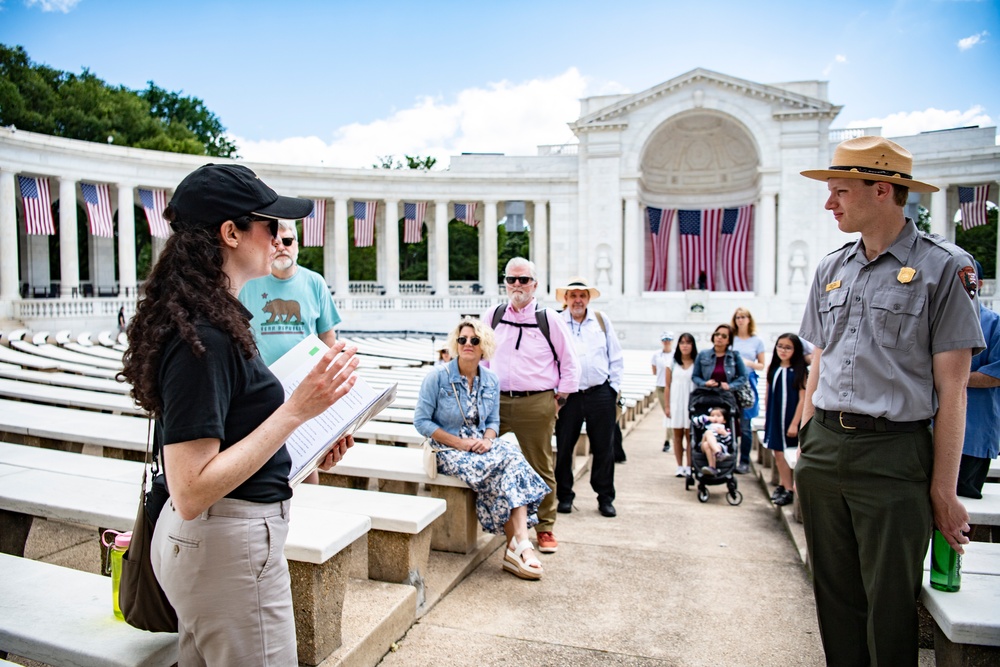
x,y
187,117
981,242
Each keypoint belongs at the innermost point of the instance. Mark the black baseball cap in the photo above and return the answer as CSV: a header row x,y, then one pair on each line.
x,y
214,193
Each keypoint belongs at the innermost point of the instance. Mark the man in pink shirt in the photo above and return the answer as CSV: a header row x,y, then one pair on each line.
x,y
536,374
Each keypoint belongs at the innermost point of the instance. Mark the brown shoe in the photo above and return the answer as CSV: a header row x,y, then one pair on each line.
x,y
547,543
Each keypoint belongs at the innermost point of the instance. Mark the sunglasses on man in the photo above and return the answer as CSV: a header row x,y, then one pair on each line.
x,y
287,241
524,280
462,340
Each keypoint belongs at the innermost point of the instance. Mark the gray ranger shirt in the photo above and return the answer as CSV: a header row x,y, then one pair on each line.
x,y
880,322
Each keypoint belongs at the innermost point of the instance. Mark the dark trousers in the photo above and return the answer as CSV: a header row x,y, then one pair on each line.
x,y
597,408
972,475
867,516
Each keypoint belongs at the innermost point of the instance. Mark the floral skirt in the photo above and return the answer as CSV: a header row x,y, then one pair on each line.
x,y
501,478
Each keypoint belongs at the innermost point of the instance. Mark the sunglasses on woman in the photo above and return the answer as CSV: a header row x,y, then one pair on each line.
x,y
272,225
524,280
462,340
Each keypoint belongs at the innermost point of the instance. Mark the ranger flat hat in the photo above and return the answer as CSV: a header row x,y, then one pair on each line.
x,y
576,282
214,193
872,158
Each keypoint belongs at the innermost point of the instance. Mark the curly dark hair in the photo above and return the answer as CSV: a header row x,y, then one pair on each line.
x,y
186,286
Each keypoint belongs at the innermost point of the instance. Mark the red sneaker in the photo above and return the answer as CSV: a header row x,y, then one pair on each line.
x,y
547,543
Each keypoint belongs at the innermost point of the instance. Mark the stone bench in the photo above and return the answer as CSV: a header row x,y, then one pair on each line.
x,y
60,616
317,547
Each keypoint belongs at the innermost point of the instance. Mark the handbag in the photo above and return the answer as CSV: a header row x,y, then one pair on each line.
x,y
143,603
744,396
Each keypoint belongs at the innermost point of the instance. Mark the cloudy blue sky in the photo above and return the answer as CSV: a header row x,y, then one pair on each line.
x,y
340,83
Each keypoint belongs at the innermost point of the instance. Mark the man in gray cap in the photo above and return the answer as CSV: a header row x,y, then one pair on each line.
x,y
894,320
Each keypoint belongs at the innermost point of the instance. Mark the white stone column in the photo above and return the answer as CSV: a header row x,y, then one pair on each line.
x,y
539,246
342,281
489,259
674,277
391,254
440,250
998,224
69,262
126,240
939,211
633,266
329,247
8,238
766,224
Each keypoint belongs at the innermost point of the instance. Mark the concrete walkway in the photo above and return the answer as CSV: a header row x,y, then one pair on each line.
x,y
670,581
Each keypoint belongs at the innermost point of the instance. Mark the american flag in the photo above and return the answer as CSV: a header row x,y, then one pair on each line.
x,y
972,203
699,242
735,246
466,213
413,221
314,225
98,208
37,205
364,223
153,202
659,236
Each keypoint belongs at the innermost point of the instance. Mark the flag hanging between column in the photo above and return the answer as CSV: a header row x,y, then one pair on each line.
x,y
314,225
413,221
467,213
699,242
98,202
364,223
735,246
154,202
659,232
972,203
37,206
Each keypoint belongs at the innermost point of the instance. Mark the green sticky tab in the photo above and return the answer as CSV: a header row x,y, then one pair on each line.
x,y
313,351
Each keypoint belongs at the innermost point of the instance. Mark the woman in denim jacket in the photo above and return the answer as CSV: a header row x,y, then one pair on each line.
x,y
721,366
459,409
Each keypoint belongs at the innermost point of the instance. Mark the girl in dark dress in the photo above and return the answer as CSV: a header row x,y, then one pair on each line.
x,y
786,388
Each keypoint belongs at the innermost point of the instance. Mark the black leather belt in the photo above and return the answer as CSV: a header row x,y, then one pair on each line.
x,y
590,390
849,421
522,394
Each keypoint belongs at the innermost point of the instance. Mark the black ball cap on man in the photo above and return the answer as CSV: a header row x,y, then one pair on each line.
x,y
214,193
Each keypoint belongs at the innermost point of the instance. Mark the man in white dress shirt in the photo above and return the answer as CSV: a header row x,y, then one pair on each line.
x,y
601,366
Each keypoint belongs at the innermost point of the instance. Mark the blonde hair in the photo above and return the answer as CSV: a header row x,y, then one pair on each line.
x,y
487,343
751,328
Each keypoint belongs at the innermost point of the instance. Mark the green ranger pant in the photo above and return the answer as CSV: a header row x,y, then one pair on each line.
x,y
867,516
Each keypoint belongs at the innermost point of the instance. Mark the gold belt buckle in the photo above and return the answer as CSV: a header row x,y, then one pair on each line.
x,y
843,425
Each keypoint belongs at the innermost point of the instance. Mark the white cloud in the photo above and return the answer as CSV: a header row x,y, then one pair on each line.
x,y
906,123
503,117
968,42
64,6
837,60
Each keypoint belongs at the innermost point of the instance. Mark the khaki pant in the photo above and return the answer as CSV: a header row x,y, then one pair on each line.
x,y
867,517
226,575
532,419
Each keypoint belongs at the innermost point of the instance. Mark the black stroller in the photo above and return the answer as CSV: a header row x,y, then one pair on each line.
x,y
702,400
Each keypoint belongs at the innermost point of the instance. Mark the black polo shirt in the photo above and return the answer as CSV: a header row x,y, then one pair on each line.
x,y
222,395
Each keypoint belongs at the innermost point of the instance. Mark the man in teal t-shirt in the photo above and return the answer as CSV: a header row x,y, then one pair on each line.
x,y
289,304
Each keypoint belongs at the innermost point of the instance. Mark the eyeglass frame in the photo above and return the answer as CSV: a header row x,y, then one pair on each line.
x,y
475,340
524,280
287,241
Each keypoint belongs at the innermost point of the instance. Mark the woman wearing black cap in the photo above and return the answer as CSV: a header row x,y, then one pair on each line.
x,y
221,421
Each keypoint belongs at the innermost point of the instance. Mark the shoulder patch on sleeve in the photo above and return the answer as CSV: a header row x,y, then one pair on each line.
x,y
970,283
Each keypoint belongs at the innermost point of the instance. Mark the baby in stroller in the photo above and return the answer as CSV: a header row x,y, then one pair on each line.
x,y
716,441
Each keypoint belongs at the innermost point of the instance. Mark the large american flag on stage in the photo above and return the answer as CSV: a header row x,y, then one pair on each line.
x,y
314,225
467,213
98,201
659,236
364,223
699,242
972,203
735,247
153,202
413,221
37,205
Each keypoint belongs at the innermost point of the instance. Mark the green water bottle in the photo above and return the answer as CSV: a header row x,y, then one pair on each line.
x,y
946,565
116,551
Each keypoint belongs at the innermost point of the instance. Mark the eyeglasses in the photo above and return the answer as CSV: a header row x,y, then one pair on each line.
x,y
787,348
287,240
524,280
720,334
272,225
462,340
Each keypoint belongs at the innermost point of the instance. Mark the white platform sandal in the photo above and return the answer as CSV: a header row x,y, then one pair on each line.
x,y
513,563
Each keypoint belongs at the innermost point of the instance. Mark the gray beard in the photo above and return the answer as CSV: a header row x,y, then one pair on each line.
x,y
282,263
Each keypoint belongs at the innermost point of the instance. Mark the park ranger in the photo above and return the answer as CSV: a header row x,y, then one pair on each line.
x,y
894,318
